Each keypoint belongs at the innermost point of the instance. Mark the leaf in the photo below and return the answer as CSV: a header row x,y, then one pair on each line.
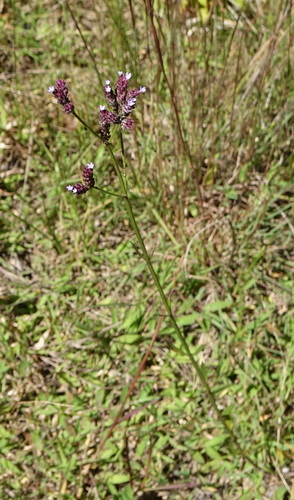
x,y
6,465
129,338
127,493
279,494
132,319
189,319
232,194
119,479
4,433
239,3
142,445
212,453
109,451
216,441
3,367
218,305
161,442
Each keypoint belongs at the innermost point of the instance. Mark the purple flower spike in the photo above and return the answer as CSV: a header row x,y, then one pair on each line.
x,y
135,92
68,108
88,178
122,102
60,92
78,188
88,181
122,85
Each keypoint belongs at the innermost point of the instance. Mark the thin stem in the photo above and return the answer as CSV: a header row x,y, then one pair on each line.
x,y
84,42
155,277
123,155
161,292
108,192
86,125
164,299
168,309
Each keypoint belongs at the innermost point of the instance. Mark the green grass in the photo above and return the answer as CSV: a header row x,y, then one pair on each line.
x,y
78,307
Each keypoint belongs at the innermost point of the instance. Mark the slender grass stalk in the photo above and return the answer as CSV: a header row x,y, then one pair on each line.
x,y
150,10
90,53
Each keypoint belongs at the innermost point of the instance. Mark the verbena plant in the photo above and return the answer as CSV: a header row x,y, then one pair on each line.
x,y
77,324
122,102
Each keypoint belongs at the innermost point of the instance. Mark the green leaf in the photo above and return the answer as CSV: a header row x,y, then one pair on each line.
x,y
218,305
189,319
129,338
132,319
3,367
212,453
6,465
4,433
232,194
216,441
142,445
109,452
127,493
279,494
119,479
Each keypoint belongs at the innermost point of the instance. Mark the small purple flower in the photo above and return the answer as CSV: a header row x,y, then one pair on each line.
x,y
60,92
131,102
88,181
128,106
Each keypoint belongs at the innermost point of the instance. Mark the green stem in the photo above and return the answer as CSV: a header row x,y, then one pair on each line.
x,y
163,297
86,125
160,290
108,192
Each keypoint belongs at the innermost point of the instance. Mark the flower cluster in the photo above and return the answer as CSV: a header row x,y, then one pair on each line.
x,y
122,102
88,181
60,92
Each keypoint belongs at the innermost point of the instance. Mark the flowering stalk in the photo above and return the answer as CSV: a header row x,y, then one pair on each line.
x,y
122,102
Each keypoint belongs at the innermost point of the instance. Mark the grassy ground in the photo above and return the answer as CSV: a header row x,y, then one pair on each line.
x,y
78,308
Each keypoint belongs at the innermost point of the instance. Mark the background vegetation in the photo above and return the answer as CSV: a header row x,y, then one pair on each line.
x,y
78,308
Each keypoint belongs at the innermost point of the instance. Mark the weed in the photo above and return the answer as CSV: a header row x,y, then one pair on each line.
x,y
84,352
